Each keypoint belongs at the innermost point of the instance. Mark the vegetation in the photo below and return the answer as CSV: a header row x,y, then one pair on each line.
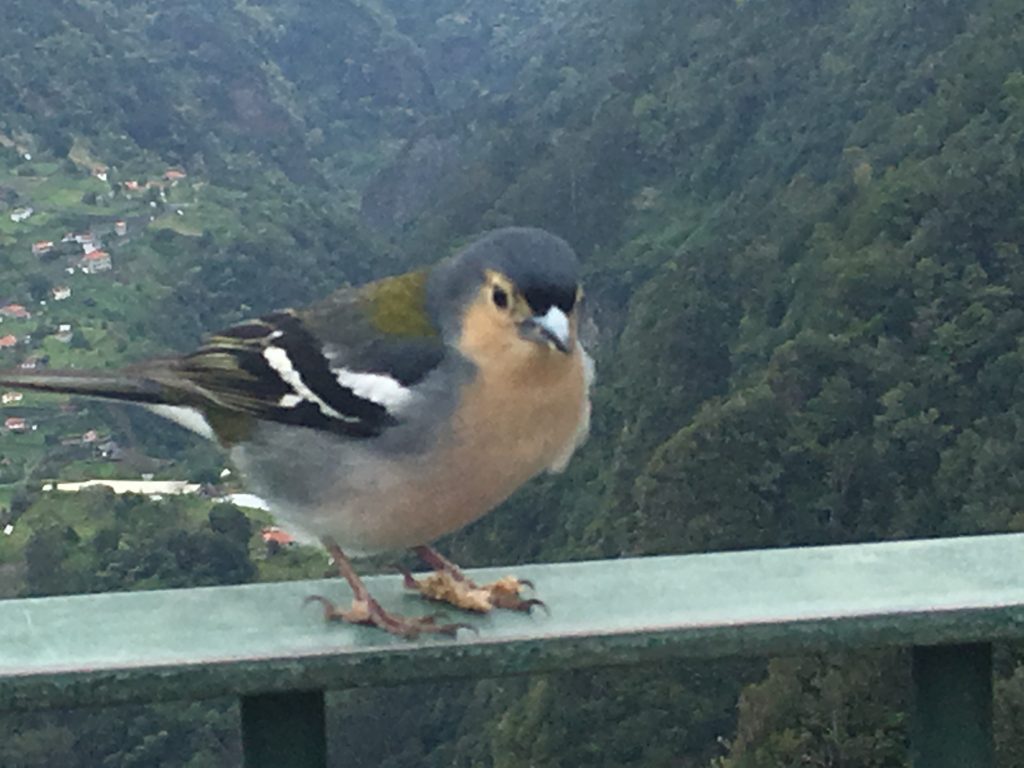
x,y
802,231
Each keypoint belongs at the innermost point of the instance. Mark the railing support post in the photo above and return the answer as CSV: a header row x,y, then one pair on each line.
x,y
284,730
953,706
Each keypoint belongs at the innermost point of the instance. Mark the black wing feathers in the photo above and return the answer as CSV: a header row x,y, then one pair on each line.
x,y
274,368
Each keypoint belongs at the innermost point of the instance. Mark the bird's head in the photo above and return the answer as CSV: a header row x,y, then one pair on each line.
x,y
513,292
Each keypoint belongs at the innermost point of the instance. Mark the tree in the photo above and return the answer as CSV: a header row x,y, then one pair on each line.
x,y
38,285
229,520
79,340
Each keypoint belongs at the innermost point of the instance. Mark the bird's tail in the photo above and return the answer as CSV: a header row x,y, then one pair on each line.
x,y
126,385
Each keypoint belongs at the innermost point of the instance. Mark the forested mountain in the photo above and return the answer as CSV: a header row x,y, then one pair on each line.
x,y
801,224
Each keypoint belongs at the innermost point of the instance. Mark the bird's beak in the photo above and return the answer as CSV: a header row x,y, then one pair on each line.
x,y
551,328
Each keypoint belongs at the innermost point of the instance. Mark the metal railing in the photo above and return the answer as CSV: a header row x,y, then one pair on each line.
x,y
947,599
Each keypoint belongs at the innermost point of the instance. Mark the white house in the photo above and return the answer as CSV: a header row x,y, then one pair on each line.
x,y
19,215
64,333
145,487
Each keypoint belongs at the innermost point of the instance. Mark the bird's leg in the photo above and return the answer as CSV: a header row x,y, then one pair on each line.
x,y
365,610
448,584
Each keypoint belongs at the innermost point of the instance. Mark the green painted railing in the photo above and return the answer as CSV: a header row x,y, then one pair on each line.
x,y
948,599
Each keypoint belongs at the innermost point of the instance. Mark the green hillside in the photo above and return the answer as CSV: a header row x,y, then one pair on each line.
x,y
801,225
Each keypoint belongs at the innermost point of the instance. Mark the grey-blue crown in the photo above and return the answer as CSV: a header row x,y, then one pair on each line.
x,y
541,265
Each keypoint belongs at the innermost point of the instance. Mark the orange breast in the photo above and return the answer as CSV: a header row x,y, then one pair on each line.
x,y
510,426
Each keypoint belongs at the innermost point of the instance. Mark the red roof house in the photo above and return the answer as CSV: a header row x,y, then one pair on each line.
x,y
15,311
274,535
42,247
96,261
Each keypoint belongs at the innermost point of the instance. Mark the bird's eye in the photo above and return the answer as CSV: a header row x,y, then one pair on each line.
x,y
500,297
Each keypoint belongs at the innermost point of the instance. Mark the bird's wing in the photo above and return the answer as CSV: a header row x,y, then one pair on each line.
x,y
347,365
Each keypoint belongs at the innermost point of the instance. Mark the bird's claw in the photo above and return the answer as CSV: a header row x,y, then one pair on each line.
x,y
457,590
369,612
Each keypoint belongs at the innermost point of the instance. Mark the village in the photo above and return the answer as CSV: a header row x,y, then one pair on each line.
x,y
87,253
78,239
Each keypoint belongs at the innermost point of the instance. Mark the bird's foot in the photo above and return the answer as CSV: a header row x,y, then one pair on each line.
x,y
369,612
466,594
448,584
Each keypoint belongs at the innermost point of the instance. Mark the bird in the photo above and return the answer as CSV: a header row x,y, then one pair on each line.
x,y
390,414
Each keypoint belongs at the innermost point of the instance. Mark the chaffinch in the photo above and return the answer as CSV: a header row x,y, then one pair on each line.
x,y
388,415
